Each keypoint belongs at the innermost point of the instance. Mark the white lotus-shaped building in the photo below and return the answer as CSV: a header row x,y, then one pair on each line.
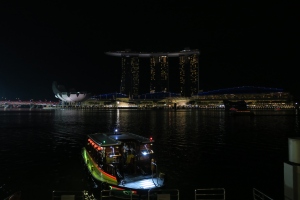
x,y
68,96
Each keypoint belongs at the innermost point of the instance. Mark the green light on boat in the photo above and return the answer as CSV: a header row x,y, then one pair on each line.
x,y
104,141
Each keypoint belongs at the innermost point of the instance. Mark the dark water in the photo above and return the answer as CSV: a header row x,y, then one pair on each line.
x,y
40,151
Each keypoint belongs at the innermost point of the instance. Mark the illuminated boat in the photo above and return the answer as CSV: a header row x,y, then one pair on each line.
x,y
237,108
106,156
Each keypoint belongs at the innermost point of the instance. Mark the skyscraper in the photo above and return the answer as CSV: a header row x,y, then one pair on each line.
x,y
189,74
159,74
130,76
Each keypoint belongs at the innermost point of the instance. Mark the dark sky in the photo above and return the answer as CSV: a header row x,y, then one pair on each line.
x,y
241,44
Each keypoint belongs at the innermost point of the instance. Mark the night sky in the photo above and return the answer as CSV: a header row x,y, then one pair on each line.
x,y
241,44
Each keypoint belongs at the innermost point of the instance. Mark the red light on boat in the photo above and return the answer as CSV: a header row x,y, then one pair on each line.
x,y
150,138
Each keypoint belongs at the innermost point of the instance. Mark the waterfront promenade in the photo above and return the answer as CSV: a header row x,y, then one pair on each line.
x,y
119,104
27,104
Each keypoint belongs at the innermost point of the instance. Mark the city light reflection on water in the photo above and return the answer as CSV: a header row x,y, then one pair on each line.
x,y
40,151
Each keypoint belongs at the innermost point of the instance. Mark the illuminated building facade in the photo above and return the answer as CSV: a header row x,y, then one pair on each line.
x,y
159,71
256,98
130,76
188,74
159,74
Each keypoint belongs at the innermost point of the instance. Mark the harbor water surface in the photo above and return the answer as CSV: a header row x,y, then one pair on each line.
x,y
41,149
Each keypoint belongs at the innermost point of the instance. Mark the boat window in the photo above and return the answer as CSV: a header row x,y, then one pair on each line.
x,y
146,149
109,158
112,154
145,152
129,146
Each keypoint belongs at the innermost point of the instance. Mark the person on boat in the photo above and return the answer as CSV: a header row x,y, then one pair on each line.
x,y
124,152
130,161
130,157
132,150
125,148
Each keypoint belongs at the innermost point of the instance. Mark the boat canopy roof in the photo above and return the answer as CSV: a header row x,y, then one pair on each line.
x,y
114,139
103,139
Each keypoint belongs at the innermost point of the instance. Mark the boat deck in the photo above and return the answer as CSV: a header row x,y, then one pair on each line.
x,y
141,181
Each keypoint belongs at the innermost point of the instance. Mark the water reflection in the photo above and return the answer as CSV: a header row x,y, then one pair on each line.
x,y
196,148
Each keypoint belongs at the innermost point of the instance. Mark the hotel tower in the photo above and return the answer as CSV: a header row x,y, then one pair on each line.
x,y
188,70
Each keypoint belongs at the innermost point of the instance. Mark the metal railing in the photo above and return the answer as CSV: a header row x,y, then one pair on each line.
x,y
157,173
120,194
170,194
258,195
153,194
74,195
210,194
109,195
78,195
